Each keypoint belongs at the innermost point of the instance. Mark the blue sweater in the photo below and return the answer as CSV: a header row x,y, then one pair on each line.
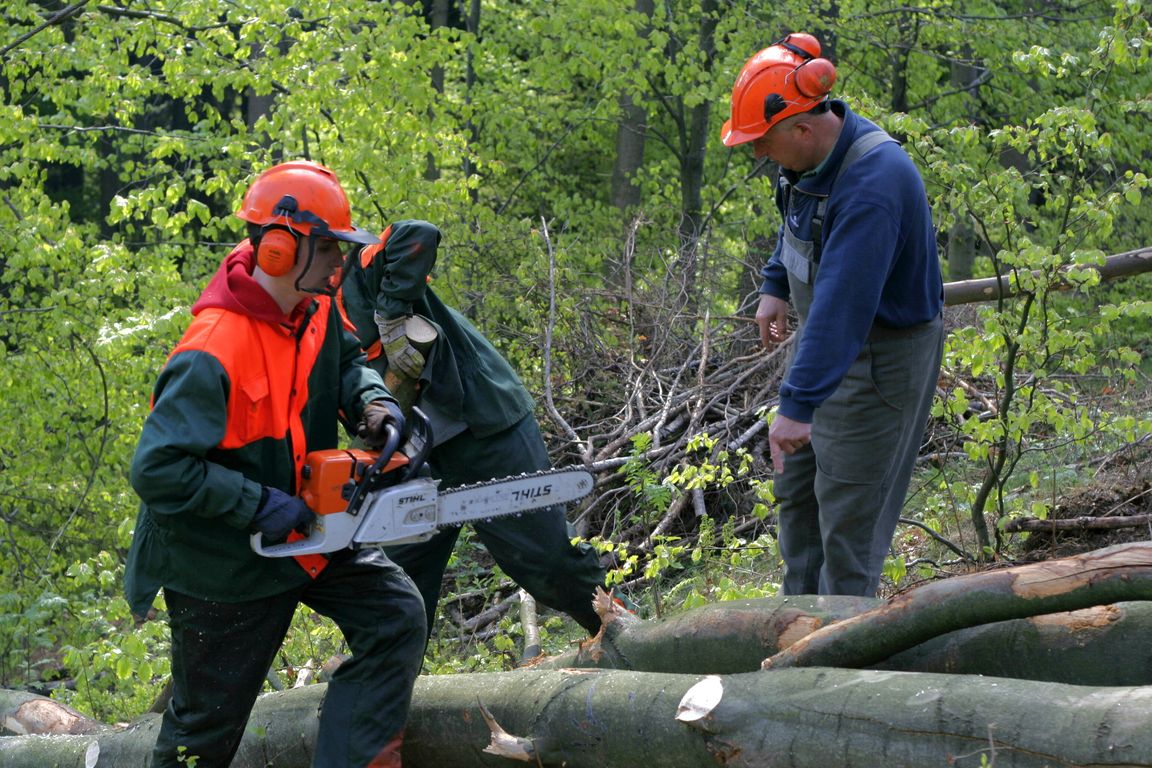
x,y
879,265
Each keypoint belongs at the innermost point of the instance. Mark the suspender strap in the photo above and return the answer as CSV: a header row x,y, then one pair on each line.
x,y
860,147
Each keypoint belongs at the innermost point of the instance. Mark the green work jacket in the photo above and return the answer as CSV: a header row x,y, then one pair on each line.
x,y
241,400
466,381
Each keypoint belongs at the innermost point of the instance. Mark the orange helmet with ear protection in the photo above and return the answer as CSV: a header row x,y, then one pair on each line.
x,y
785,79
292,200
305,198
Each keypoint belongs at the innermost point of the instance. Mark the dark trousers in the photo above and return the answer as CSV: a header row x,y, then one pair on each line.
x,y
221,653
534,549
840,498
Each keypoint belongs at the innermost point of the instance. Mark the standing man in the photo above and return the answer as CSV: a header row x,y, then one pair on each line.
x,y
857,258
482,425
263,375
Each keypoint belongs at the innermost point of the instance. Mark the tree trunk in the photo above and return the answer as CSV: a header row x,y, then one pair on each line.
x,y
965,77
801,718
631,136
717,639
694,140
961,249
1098,646
26,713
798,717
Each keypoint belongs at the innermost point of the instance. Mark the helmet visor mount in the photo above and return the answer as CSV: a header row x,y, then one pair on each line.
x,y
305,222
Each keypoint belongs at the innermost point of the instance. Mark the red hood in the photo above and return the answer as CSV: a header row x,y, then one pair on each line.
x,y
233,288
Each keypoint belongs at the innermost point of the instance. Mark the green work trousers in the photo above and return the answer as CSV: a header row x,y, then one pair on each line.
x,y
221,653
535,549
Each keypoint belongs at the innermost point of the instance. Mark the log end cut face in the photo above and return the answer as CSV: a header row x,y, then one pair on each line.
x,y
45,716
699,701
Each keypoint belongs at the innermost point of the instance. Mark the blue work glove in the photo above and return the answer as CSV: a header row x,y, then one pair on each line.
x,y
377,415
279,514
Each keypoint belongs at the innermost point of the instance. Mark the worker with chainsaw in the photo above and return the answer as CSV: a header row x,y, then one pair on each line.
x,y
856,259
482,423
265,373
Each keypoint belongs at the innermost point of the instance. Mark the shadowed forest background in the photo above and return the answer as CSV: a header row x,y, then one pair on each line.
x,y
599,233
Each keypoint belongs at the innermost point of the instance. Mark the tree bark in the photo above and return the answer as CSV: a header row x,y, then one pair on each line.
x,y
422,336
1076,523
719,638
693,147
1102,646
631,135
1098,646
26,713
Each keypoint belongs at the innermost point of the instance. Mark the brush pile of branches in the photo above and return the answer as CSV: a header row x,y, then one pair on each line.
x,y
637,415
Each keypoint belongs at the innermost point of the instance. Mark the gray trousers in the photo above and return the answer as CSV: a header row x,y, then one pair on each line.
x,y
840,498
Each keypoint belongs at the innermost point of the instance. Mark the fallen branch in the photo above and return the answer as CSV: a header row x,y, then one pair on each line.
x,y
1077,523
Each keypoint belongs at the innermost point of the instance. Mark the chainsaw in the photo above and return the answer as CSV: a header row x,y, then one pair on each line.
x,y
365,498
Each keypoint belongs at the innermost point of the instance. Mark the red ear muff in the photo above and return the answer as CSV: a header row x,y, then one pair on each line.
x,y
814,78
276,252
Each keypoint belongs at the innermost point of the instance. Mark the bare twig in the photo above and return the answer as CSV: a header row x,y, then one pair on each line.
x,y
56,18
549,402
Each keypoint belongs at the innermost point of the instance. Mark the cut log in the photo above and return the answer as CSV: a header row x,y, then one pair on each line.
x,y
281,732
719,638
1100,577
421,335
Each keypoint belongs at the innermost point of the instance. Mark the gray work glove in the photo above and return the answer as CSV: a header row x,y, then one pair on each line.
x,y
377,415
279,514
402,356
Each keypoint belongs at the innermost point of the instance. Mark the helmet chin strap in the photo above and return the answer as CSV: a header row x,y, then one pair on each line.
x,y
304,273
331,287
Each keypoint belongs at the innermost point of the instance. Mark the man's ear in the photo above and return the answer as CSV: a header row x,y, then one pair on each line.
x,y
803,127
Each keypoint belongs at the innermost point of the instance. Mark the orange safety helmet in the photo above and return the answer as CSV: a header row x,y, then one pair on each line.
x,y
785,79
294,199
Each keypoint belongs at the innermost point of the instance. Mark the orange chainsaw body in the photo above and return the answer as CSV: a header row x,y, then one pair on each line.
x,y
329,477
